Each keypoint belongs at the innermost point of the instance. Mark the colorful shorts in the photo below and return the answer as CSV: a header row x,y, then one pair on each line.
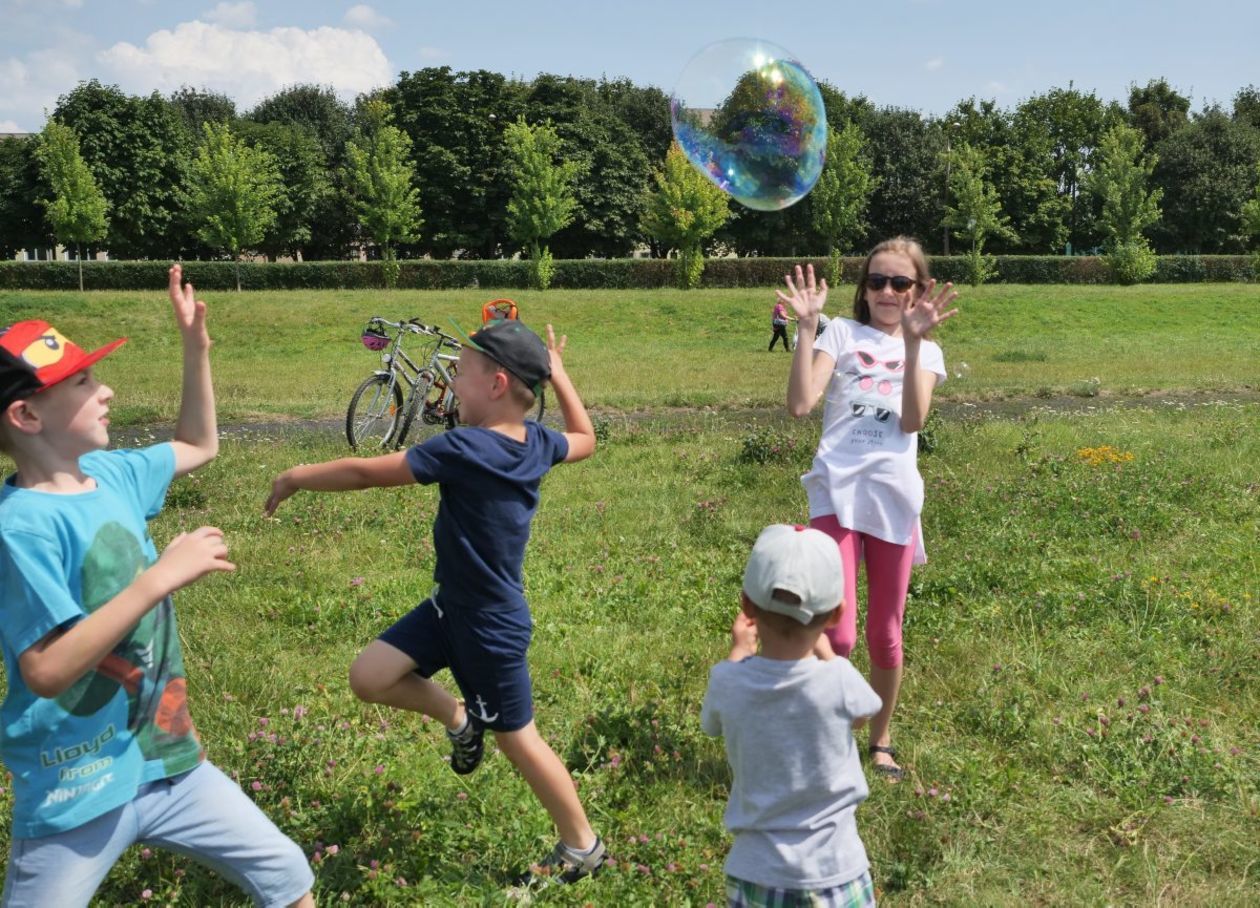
x,y
858,893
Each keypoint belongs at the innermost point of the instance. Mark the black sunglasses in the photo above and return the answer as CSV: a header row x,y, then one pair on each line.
x,y
900,283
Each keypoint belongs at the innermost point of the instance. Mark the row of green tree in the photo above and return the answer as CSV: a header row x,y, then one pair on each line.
x,y
478,165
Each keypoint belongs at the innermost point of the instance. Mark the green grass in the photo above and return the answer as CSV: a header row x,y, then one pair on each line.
x,y
282,355
1080,557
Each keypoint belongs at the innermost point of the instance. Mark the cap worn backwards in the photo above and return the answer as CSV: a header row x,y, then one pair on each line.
x,y
516,348
797,560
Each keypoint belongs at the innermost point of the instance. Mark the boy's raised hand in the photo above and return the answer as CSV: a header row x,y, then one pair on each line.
x,y
190,556
555,349
190,312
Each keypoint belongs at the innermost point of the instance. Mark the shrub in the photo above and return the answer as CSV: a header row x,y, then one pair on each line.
x,y
1131,263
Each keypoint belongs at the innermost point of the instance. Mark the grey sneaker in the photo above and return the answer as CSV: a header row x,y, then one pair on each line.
x,y
564,865
467,748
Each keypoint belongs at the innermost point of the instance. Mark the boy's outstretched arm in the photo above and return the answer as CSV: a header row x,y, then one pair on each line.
x,y
349,474
578,429
62,657
196,439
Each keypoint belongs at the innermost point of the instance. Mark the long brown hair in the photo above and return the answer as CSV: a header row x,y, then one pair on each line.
x,y
907,246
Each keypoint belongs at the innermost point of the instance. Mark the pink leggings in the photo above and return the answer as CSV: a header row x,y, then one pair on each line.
x,y
887,580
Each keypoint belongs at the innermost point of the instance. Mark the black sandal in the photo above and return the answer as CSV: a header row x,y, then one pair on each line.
x,y
891,773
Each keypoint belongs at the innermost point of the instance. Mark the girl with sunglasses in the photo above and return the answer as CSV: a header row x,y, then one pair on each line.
x,y
877,372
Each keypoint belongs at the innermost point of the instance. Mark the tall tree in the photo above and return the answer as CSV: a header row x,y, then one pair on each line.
x,y
1075,122
196,106
542,192
381,178
1207,172
1158,110
22,224
682,212
76,208
976,212
455,121
137,149
843,191
306,184
1251,220
1247,106
905,158
233,192
316,110
1129,208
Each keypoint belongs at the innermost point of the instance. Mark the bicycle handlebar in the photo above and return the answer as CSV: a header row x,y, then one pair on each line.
x,y
417,327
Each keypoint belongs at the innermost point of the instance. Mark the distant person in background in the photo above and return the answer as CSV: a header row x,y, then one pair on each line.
x,y
779,319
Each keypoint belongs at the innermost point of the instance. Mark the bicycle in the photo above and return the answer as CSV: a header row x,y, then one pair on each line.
x,y
404,394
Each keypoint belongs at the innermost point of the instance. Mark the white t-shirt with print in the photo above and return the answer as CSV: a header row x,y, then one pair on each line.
x,y
866,471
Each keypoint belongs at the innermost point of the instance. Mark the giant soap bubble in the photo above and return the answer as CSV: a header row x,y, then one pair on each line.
x,y
751,119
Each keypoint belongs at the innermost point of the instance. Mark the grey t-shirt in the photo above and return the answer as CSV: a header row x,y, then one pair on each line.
x,y
797,780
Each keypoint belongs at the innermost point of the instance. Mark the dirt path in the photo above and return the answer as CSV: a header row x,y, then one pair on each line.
x,y
1009,408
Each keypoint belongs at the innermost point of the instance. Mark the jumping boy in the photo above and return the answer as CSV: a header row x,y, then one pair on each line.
x,y
787,719
95,727
476,621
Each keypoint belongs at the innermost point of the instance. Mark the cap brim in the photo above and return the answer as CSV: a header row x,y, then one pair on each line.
x,y
78,365
465,337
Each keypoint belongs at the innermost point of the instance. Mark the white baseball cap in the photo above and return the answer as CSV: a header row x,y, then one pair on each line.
x,y
797,560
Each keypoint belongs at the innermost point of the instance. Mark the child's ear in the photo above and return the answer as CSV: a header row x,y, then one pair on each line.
x,y
834,618
20,416
746,605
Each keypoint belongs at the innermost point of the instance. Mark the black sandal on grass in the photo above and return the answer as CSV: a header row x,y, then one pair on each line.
x,y
888,771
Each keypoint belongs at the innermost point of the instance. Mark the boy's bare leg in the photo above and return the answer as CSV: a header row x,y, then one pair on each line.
x,y
306,901
550,781
385,674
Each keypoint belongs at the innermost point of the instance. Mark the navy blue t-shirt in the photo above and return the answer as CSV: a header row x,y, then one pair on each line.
x,y
489,493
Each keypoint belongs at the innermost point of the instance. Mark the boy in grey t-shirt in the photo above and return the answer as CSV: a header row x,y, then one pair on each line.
x,y
787,719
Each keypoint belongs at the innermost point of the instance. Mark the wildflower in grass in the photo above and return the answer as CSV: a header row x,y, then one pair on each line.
x,y
356,581
146,895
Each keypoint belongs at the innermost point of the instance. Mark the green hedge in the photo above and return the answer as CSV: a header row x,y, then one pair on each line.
x,y
616,274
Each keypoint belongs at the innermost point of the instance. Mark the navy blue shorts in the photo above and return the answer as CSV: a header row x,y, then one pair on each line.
x,y
483,648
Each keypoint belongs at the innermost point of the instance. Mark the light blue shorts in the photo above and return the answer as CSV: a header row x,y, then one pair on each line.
x,y
202,814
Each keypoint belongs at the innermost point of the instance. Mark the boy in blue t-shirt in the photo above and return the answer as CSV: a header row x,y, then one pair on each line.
x,y
95,727
476,622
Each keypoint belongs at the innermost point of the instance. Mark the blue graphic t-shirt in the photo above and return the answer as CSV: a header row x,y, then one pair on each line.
x,y
489,493
125,723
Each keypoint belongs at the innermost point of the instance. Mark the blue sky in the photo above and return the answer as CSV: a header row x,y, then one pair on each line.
x,y
922,54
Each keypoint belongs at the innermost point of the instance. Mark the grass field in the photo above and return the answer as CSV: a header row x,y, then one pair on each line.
x,y
1080,713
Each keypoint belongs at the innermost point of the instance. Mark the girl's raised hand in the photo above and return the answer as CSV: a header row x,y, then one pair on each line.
x,y
920,315
807,296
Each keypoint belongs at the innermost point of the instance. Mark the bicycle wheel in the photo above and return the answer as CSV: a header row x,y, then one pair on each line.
x,y
424,415
373,413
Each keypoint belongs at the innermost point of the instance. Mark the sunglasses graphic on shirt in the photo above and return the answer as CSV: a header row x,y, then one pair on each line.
x,y
870,362
880,414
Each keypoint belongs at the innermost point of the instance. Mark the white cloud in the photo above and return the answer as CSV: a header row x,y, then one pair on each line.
x,y
934,64
234,15
249,65
10,126
30,85
365,17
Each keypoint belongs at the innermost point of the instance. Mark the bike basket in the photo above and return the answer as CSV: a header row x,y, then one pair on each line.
x,y
374,340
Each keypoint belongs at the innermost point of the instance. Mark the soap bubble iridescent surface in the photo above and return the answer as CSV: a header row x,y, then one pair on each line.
x,y
751,119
